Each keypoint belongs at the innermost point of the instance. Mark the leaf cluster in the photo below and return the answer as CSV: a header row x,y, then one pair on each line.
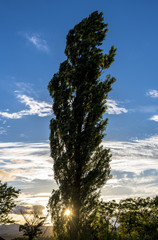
x,y
130,219
7,203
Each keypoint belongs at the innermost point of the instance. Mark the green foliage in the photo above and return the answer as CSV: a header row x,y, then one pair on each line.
x,y
104,221
19,238
61,223
130,219
81,165
39,238
7,197
138,218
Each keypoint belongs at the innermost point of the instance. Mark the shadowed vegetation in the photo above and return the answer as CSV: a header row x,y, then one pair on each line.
x,y
7,202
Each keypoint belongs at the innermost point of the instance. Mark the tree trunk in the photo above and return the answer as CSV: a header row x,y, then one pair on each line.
x,y
30,238
75,226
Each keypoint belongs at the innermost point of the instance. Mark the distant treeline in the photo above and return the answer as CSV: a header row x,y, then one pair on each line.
x,y
130,219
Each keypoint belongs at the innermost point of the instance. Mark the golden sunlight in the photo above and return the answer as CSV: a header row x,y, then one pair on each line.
x,y
67,212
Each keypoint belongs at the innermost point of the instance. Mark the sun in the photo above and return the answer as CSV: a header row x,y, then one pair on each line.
x,y
67,212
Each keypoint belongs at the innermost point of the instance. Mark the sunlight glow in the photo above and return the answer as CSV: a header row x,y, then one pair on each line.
x,y
67,212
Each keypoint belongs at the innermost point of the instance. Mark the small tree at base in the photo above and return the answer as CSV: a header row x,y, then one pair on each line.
x,y
81,165
7,203
33,224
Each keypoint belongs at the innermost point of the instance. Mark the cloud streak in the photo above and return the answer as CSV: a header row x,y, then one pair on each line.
x,y
38,42
152,93
154,118
44,109
134,167
113,108
27,166
2,131
41,109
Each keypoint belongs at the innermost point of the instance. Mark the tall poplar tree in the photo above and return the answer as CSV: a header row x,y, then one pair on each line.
x,y
81,164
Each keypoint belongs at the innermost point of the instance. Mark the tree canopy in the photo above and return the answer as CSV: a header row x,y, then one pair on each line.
x,y
81,164
128,219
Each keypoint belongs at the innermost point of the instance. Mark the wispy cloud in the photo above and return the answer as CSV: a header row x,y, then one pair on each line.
x,y
152,93
134,167
29,209
148,109
154,118
113,108
2,131
25,88
25,162
38,42
41,109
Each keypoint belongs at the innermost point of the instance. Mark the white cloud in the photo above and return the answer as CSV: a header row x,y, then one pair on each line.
x,y
113,107
152,93
25,162
8,175
39,43
2,131
154,118
41,109
134,167
23,87
135,156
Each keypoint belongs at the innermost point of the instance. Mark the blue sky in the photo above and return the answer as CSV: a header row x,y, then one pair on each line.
x,y
33,38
